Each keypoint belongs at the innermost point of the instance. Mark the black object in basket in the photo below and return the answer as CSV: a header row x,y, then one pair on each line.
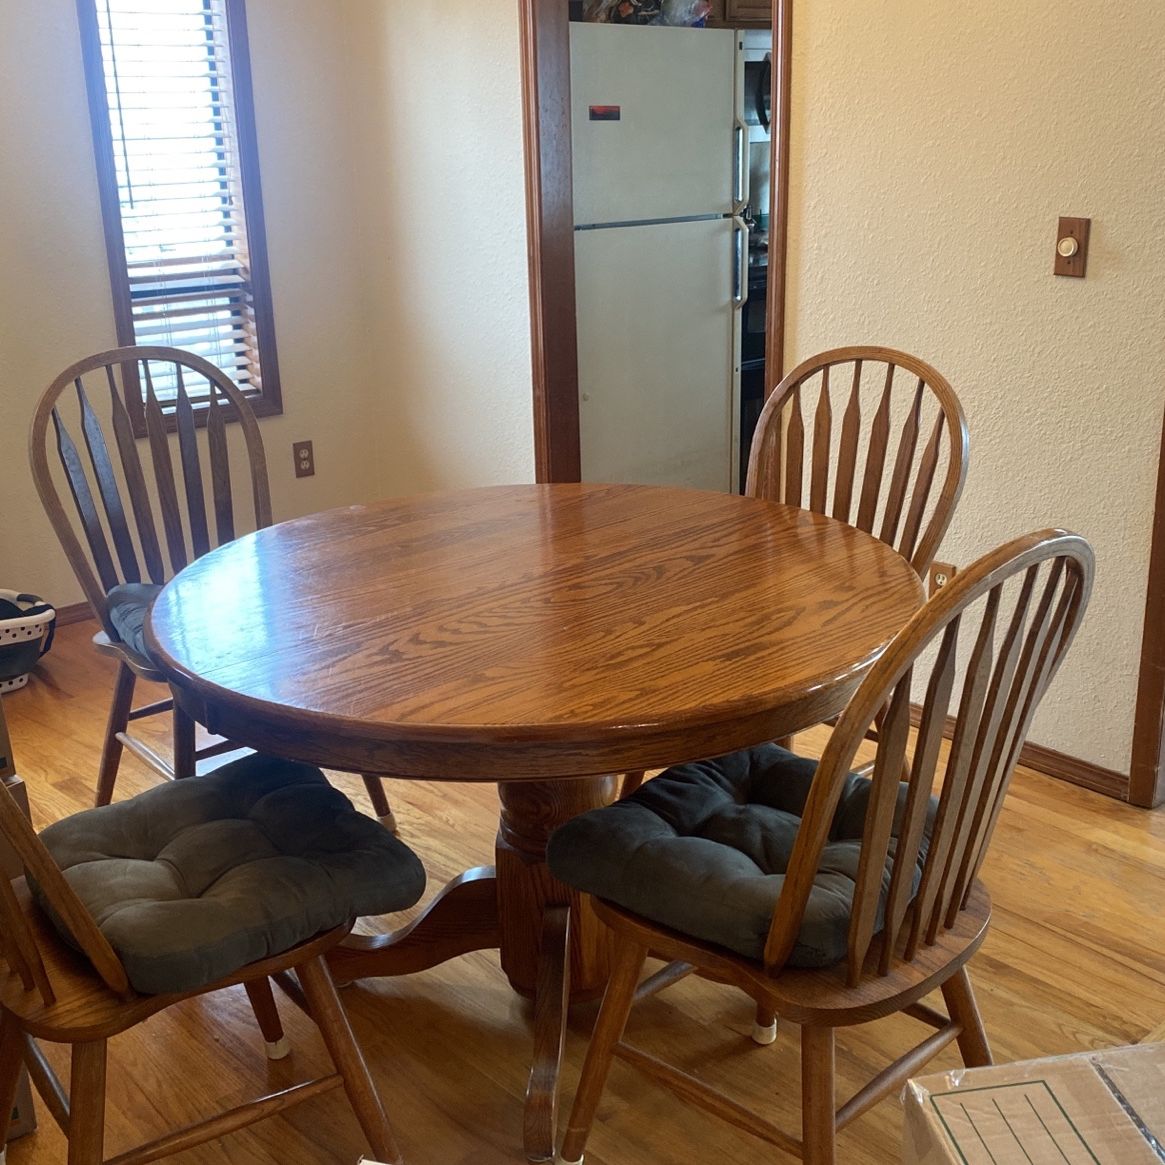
x,y
27,626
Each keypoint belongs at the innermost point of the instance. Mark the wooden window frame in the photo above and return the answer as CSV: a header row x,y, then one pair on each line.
x,y
267,401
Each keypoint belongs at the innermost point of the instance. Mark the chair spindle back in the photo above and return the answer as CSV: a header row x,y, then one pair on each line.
x,y
811,433
988,645
136,394
19,942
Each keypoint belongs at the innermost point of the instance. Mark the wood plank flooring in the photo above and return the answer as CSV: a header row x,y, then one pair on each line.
x,y
1075,960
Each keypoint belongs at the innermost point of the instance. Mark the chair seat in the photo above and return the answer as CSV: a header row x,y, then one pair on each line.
x,y
128,605
193,880
806,995
83,1005
703,849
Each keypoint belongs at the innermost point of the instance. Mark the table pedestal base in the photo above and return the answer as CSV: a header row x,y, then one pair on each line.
x,y
462,918
552,947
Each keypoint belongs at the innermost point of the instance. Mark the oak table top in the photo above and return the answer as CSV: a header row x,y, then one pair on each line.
x,y
532,631
544,637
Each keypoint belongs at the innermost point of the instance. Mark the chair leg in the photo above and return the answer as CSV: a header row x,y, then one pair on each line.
x,y
786,742
380,805
631,783
263,1005
764,1028
87,1104
329,1015
118,721
11,1061
818,1103
960,1001
185,762
620,995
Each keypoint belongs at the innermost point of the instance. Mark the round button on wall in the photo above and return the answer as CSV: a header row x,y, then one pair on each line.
x,y
1068,247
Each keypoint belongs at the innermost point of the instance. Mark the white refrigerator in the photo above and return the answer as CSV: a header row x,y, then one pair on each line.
x,y
661,251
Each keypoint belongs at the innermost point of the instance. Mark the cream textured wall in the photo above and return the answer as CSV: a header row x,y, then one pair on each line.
x,y
935,146
391,150
443,232
54,284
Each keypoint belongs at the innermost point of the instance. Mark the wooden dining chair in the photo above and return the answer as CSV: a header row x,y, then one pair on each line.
x,y
135,507
870,436
829,898
132,908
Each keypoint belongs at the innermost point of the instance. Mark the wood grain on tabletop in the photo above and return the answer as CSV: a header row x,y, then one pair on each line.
x,y
573,629
1071,963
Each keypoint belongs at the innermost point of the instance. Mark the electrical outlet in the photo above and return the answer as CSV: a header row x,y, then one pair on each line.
x,y
305,459
941,573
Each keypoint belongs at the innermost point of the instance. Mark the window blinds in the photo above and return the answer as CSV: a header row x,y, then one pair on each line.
x,y
170,96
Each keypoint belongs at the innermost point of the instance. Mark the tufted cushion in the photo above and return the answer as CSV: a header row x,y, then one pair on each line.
x,y
128,605
194,879
703,849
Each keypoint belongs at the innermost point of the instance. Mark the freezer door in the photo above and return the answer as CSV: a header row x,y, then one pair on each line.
x,y
654,122
658,337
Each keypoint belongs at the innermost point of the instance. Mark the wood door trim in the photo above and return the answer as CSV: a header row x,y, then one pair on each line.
x,y
1147,772
545,33
550,237
782,96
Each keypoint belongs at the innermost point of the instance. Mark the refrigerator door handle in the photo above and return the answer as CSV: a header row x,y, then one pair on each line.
x,y
741,236
740,191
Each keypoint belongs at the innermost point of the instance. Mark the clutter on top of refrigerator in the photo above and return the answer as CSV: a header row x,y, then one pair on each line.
x,y
677,13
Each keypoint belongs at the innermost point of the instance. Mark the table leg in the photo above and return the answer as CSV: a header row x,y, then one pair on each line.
x,y
530,812
550,1009
552,946
462,918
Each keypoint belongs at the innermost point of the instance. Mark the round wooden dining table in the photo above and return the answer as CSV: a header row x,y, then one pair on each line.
x,y
547,638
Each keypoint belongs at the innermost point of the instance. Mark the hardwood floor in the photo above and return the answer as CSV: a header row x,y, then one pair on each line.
x,y
1075,960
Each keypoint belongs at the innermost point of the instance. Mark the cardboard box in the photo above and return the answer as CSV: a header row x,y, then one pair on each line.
x,y
1098,1108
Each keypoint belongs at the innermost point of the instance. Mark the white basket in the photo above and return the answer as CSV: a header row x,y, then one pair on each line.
x,y
16,640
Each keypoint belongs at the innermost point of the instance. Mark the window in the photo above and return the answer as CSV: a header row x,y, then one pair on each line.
x,y
174,135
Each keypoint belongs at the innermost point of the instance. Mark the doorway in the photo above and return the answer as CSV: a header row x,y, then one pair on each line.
x,y
545,27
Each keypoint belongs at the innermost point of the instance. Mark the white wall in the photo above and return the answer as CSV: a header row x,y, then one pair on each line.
x,y
443,233
54,284
935,146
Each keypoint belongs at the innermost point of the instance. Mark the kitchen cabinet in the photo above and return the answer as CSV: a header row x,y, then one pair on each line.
x,y
745,13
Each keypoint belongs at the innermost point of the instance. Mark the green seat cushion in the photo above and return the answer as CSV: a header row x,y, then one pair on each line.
x,y
128,605
196,878
703,849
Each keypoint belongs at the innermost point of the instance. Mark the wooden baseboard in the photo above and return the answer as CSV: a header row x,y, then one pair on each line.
x,y
1053,763
1074,770
73,613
